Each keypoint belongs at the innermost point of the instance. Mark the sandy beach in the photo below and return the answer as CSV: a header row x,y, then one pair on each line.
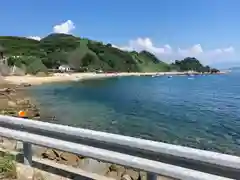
x,y
61,77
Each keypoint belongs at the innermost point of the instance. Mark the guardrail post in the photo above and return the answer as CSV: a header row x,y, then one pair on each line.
x,y
151,176
27,153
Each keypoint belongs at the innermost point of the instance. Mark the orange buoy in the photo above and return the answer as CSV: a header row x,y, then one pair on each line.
x,y
22,114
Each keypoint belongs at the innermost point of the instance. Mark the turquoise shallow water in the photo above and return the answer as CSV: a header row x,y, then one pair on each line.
x,y
203,112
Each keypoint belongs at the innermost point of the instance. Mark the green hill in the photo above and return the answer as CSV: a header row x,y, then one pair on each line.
x,y
19,45
147,62
192,64
80,53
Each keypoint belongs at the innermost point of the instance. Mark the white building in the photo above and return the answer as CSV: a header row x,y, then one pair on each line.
x,y
64,68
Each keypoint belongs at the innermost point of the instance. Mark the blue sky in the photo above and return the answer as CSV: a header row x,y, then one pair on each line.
x,y
171,29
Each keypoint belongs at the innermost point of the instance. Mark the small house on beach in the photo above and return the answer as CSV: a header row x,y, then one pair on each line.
x,y
64,68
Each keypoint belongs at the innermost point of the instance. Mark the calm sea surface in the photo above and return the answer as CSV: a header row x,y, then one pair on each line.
x,y
202,112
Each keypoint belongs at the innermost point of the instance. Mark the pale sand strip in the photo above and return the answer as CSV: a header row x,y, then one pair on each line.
x,y
61,77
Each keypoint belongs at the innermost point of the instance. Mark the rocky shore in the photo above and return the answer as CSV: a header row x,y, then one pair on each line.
x,y
13,98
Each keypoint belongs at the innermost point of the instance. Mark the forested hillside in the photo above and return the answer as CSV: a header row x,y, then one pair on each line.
x,y
80,54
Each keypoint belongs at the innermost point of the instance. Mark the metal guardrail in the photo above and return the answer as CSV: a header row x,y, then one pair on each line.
x,y
220,159
153,167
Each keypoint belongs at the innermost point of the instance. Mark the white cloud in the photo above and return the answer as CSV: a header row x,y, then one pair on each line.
x,y
145,44
66,27
192,51
229,49
197,50
167,53
34,37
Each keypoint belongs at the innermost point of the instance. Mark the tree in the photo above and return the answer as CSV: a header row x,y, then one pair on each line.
x,y
190,64
55,59
214,70
75,57
87,60
36,66
1,51
109,45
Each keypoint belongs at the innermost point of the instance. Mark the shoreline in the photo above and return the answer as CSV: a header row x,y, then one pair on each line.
x,y
20,100
48,153
64,77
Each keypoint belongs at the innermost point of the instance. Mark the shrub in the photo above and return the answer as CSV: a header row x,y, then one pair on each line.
x,y
36,66
8,166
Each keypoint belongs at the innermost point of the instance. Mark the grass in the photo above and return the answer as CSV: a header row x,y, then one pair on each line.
x,y
8,167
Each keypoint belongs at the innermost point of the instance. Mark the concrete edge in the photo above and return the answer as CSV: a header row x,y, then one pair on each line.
x,y
70,169
58,166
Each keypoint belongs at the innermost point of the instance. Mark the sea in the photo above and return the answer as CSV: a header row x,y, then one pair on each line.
x,y
201,111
